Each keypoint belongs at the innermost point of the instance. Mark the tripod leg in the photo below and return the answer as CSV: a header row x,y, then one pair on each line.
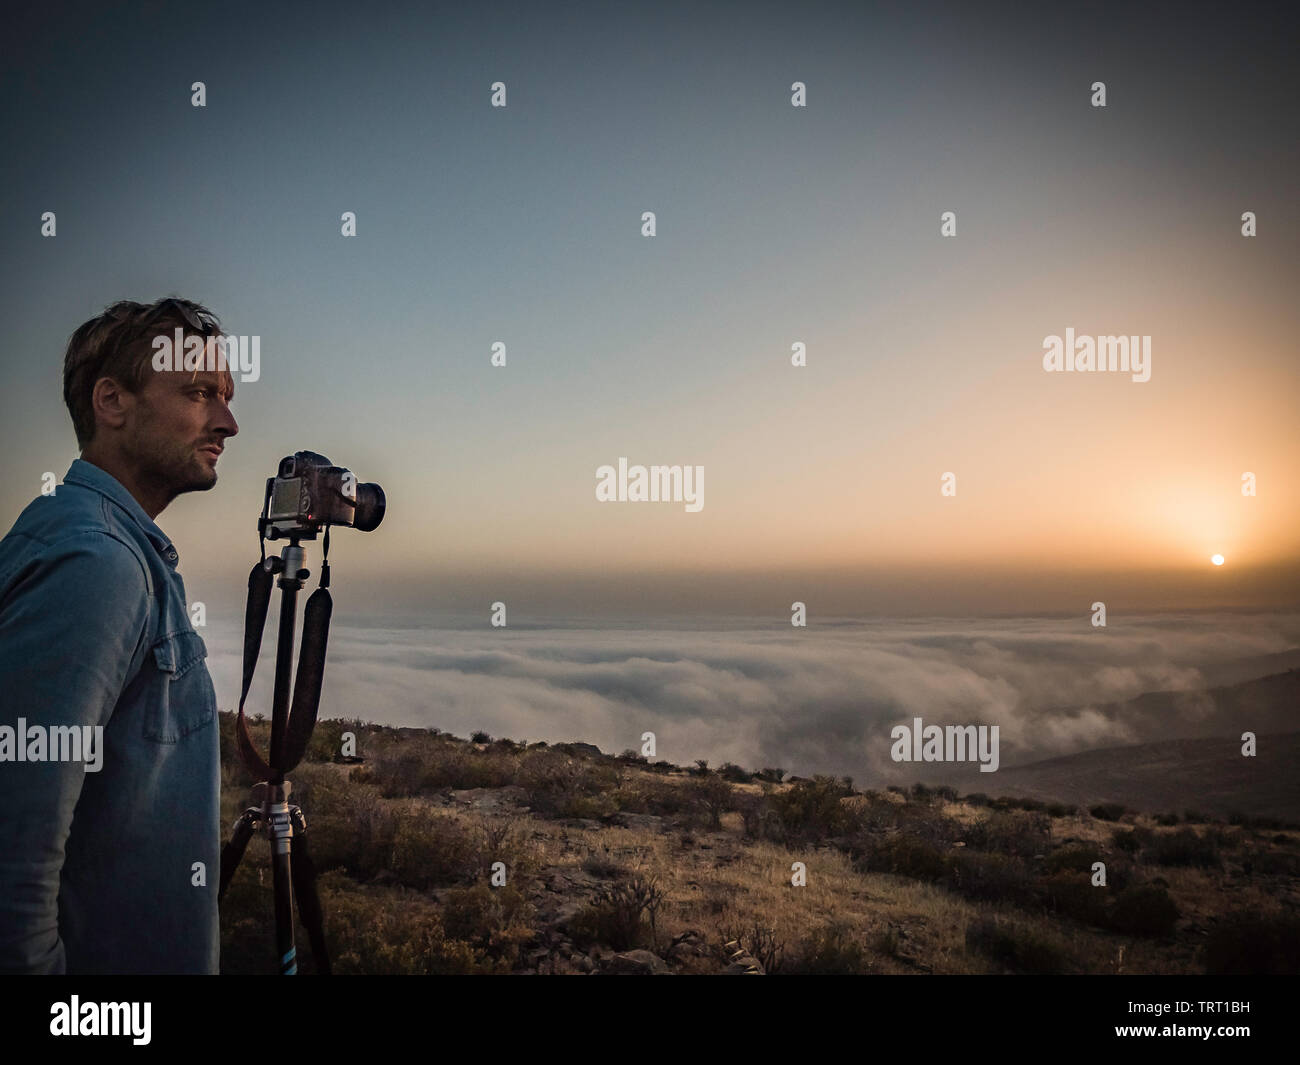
x,y
304,886
233,852
280,831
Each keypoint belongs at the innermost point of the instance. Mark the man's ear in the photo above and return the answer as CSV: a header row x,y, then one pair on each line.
x,y
111,403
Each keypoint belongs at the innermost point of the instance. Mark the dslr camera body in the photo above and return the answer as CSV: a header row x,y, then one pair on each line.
x,y
308,493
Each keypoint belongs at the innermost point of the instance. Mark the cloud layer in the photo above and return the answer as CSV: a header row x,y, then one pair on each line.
x,y
816,700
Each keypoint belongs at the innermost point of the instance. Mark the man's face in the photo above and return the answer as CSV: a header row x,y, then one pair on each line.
x,y
180,423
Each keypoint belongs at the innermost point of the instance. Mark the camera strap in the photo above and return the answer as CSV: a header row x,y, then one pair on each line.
x,y
307,680
259,601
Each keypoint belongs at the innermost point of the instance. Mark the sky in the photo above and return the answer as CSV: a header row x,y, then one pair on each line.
x,y
775,225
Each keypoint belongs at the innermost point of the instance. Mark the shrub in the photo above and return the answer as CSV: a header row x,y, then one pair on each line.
x,y
830,950
399,776
922,823
1075,858
732,772
1108,811
990,877
1072,895
904,855
1120,871
711,796
1015,802
977,798
429,849
554,781
505,839
1223,839
1144,910
326,743
887,942
357,836
1017,947
1166,820
1272,863
497,922
1006,832
1061,809
1248,944
812,810
441,764
1127,841
759,819
480,737
370,933
1185,848
621,916
649,795
585,807
603,866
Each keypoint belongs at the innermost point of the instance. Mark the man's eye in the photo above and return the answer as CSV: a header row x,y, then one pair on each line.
x,y
204,392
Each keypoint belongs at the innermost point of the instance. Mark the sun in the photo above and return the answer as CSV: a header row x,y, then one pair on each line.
x,y
1217,559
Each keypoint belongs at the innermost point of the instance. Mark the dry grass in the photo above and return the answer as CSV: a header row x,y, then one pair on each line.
x,y
401,833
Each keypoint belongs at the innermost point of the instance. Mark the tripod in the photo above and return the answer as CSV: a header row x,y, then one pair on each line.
x,y
291,729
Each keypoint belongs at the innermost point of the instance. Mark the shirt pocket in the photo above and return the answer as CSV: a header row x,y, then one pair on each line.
x,y
181,698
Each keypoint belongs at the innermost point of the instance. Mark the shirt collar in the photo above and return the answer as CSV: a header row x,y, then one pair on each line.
x,y
88,475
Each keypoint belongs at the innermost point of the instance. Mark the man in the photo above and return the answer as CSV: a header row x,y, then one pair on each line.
x,y
109,787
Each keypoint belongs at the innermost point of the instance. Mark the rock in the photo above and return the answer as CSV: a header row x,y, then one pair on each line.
x,y
582,963
636,963
690,944
585,748
490,798
647,822
566,911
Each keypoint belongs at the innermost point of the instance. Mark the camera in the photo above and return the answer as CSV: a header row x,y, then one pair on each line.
x,y
308,493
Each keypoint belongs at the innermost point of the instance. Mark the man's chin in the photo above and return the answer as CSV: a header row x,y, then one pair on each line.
x,y
200,480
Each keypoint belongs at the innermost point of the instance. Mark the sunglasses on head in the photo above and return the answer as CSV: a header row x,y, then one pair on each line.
x,y
171,303
193,320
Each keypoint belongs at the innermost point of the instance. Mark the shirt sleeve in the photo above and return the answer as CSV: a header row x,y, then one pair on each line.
x,y
72,621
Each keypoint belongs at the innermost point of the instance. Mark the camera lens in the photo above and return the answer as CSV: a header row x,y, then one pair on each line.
x,y
370,507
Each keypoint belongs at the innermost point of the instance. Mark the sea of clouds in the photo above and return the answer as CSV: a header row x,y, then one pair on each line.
x,y
815,700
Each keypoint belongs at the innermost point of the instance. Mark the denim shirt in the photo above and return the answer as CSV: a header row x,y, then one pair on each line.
x,y
98,868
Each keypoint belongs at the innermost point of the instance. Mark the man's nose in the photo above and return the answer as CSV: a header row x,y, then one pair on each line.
x,y
226,422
